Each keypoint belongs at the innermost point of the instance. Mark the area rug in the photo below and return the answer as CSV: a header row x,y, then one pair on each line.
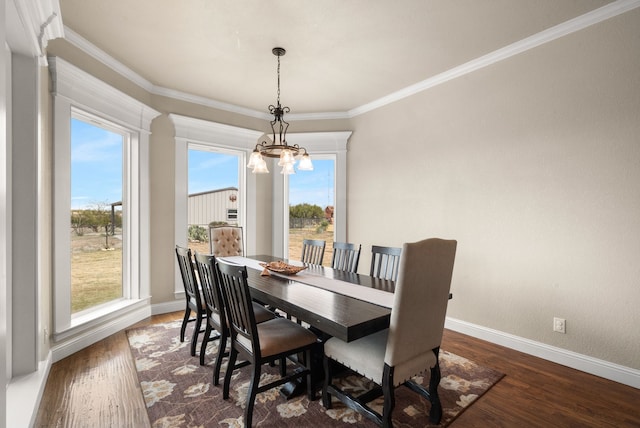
x,y
179,392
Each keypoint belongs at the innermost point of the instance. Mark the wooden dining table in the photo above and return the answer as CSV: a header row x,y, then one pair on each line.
x,y
327,312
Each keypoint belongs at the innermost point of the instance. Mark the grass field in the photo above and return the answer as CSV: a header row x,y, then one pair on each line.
x,y
96,273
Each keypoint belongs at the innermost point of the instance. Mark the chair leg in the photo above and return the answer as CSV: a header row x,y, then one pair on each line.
x,y
283,366
326,398
389,396
205,341
185,321
310,390
221,349
251,394
227,377
196,331
435,415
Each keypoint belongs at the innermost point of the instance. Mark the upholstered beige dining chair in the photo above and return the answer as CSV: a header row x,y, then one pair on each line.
x,y
225,241
411,344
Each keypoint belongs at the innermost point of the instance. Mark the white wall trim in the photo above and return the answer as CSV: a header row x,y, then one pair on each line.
x,y
168,307
90,49
77,92
24,394
40,22
588,19
119,322
585,363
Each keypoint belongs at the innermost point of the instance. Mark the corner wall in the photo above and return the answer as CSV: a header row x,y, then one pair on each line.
x,y
533,165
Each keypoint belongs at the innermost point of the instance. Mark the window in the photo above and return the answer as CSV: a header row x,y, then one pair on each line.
x,y
266,216
311,207
223,150
214,194
93,120
97,233
329,181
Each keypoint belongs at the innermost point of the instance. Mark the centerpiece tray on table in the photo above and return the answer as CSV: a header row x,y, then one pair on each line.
x,y
281,267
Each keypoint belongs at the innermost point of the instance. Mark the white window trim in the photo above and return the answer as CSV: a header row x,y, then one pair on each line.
x,y
285,212
190,130
316,143
212,134
76,89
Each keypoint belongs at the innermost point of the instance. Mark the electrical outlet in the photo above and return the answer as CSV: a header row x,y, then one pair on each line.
x,y
560,325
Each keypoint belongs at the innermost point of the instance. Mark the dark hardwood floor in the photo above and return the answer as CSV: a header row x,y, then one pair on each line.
x,y
97,387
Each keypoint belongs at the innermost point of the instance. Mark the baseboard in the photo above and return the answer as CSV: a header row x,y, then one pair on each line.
x,y
24,394
167,307
594,366
89,337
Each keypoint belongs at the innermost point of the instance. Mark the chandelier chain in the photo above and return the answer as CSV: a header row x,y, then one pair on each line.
x,y
278,80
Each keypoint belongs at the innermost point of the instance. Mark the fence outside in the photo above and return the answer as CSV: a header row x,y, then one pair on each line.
x,y
302,223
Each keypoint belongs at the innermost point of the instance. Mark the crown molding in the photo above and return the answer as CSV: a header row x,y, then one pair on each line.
x,y
33,24
583,21
92,50
588,19
199,130
208,102
92,93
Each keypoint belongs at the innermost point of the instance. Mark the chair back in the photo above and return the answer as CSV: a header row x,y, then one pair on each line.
x,y
313,251
385,262
185,262
208,275
237,300
225,241
420,300
345,256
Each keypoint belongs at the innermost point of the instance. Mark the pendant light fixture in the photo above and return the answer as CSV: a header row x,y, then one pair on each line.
x,y
279,148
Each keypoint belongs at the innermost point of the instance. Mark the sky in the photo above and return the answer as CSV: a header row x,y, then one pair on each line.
x,y
96,166
210,171
96,171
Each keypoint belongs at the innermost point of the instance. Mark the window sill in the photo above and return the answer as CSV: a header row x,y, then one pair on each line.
x,y
106,314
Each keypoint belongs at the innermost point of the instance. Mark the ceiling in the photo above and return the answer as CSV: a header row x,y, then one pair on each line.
x,y
341,54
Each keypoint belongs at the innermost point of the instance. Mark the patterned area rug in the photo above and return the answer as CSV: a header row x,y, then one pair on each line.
x,y
180,393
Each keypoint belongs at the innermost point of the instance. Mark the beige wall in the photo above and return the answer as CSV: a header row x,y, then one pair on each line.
x,y
533,165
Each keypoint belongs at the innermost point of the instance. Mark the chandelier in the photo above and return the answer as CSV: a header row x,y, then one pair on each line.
x,y
269,148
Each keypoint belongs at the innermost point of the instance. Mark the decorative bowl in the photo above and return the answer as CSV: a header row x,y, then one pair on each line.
x,y
282,267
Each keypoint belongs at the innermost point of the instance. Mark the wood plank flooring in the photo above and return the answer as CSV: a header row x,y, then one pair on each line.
x,y
98,387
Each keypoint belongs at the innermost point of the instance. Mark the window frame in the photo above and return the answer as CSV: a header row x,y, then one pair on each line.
x,y
323,145
198,131
317,156
127,138
191,132
77,92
